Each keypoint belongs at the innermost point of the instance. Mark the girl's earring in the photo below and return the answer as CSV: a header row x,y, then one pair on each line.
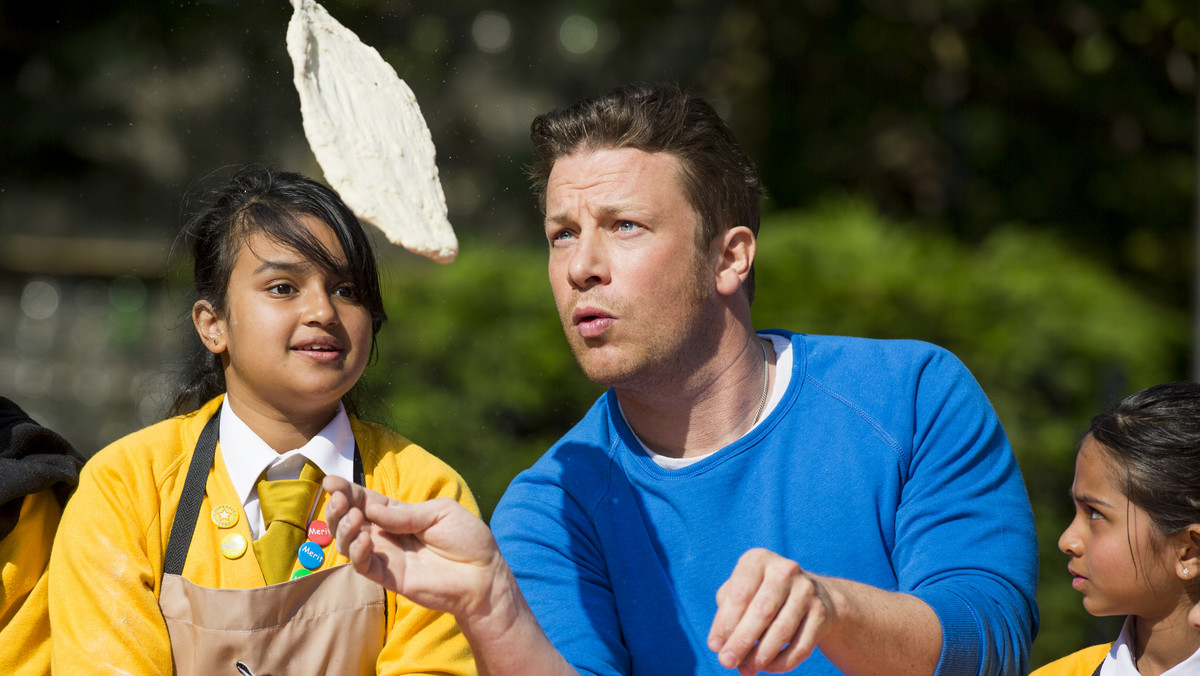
x,y
1186,571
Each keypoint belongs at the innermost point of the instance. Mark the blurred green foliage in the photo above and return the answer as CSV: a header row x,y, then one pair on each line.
x,y
474,365
1025,173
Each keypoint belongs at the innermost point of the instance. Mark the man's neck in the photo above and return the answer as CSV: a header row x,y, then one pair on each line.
x,y
698,413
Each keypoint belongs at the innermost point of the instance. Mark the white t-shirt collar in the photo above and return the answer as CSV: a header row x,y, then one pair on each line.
x,y
783,377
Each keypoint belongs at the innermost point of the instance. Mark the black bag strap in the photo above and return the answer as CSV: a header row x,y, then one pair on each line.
x,y
193,494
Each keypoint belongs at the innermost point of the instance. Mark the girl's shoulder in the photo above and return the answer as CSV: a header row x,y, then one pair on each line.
x,y
135,477
379,443
156,449
1081,663
403,470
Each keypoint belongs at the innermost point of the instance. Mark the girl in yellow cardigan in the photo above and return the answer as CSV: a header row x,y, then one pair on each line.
x,y
38,471
198,545
1134,546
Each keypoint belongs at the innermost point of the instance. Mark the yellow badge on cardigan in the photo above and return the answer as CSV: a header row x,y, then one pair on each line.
x,y
233,546
225,516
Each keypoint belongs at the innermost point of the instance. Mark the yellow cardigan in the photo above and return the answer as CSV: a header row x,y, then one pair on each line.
x,y
24,555
106,564
1081,663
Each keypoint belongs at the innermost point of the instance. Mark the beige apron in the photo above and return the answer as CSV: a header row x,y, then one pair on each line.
x,y
329,622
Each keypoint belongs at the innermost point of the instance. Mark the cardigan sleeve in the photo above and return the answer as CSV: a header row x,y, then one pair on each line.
x,y
104,612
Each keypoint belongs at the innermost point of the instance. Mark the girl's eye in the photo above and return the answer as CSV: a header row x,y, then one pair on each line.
x,y
281,289
348,292
1093,514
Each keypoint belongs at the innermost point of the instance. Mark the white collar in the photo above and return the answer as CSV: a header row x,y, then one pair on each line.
x,y
246,455
1119,661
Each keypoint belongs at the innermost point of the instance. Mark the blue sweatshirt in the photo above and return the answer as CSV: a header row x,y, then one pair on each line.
x,y
882,463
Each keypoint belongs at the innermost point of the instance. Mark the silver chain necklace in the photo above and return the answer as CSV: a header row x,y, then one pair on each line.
x,y
762,401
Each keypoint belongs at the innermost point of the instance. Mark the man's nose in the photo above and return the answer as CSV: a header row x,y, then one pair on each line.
x,y
589,264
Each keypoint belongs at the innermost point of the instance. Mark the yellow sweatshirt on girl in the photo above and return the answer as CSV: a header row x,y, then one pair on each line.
x,y
107,561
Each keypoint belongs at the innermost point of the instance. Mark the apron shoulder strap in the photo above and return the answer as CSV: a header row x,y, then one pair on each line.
x,y
360,477
193,495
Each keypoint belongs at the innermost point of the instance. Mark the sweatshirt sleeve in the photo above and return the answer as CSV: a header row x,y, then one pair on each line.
x,y
966,543
549,540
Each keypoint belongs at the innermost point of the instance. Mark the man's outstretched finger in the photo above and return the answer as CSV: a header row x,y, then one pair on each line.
x,y
359,550
341,499
405,518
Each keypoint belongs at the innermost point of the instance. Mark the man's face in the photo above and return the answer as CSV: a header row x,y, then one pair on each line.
x,y
635,296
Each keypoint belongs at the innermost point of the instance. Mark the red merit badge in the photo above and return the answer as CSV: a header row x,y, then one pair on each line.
x,y
318,532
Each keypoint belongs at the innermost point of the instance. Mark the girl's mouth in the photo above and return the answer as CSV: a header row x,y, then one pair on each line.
x,y
1077,580
323,352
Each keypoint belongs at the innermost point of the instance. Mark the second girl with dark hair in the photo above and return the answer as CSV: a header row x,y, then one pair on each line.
x,y
1134,546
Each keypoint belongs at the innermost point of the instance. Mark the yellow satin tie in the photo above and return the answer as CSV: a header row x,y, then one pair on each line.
x,y
285,504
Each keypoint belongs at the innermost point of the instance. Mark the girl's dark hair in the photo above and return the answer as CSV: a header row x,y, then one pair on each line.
x,y
1155,436
261,200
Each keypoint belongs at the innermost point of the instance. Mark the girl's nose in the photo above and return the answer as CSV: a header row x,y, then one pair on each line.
x,y
1068,542
319,309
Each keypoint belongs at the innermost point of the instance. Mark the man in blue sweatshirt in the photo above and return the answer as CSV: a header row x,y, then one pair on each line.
x,y
759,501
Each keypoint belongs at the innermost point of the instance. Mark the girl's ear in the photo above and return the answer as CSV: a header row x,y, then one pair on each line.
x,y
209,326
1187,550
734,258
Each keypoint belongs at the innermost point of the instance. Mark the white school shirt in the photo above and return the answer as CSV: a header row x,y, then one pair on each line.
x,y
246,455
1119,660
783,376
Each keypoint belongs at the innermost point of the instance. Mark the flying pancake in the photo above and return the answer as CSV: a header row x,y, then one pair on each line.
x,y
366,130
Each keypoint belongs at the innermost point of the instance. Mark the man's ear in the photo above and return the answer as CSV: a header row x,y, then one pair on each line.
x,y
735,250
1187,553
209,326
